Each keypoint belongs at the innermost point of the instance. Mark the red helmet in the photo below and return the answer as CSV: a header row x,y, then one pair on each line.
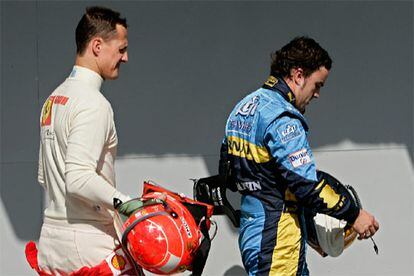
x,y
162,236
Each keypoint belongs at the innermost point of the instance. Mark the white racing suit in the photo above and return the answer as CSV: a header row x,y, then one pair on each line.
x,y
78,143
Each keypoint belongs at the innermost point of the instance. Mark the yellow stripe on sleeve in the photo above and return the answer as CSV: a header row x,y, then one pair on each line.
x,y
329,196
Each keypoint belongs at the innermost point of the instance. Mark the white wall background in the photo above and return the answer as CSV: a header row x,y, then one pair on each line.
x,y
190,62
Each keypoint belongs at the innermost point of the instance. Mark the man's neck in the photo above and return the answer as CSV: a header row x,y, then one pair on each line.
x,y
290,83
83,61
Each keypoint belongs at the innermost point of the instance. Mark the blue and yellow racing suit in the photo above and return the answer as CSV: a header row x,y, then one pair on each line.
x,y
272,166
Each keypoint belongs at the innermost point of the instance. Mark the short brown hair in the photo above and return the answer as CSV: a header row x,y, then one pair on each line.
x,y
302,52
97,21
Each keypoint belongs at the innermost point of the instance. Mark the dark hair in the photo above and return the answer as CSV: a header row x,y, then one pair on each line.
x,y
97,21
302,52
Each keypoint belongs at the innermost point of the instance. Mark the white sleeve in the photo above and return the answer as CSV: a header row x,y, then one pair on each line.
x,y
40,173
88,133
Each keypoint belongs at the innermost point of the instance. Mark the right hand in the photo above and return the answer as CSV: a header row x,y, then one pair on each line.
x,y
365,225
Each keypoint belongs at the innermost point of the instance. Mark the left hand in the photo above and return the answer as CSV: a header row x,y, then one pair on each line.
x,y
129,207
365,225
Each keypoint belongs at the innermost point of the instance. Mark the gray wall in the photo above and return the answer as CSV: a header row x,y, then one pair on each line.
x,y
189,63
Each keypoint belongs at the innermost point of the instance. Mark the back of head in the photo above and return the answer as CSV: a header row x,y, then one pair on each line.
x,y
301,52
97,21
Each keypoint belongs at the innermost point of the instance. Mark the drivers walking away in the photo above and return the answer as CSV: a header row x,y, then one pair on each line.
x,y
78,143
266,156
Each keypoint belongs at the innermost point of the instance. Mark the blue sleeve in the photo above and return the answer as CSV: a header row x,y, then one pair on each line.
x,y
287,141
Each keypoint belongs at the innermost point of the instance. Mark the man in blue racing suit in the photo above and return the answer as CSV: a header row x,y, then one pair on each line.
x,y
265,155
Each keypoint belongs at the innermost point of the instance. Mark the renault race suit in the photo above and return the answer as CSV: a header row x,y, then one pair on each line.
x,y
272,166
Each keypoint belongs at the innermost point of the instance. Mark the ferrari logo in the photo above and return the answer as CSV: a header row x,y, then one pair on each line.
x,y
47,112
47,108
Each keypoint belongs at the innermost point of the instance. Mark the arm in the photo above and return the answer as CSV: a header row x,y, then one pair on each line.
x,y
90,129
287,141
225,168
40,172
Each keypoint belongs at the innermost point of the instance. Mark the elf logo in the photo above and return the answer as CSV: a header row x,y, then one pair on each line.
x,y
249,108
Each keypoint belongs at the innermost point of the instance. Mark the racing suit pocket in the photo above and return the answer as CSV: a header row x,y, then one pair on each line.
x,y
93,247
57,251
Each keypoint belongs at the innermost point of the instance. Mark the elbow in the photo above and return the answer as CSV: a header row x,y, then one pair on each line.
x,y
71,183
74,182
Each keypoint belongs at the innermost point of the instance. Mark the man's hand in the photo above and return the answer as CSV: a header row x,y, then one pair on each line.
x,y
129,207
365,225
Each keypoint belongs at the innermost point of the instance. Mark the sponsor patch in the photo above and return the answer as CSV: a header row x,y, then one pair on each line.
x,y
289,132
299,158
118,262
238,125
49,134
249,185
60,100
249,108
186,227
271,81
47,112
47,108
244,149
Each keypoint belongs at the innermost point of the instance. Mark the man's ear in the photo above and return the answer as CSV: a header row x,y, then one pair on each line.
x,y
96,44
297,76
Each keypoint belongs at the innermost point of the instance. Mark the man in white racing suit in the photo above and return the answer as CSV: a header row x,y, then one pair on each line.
x,y
78,142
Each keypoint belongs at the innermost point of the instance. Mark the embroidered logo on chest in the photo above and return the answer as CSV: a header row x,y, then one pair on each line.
x,y
289,132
